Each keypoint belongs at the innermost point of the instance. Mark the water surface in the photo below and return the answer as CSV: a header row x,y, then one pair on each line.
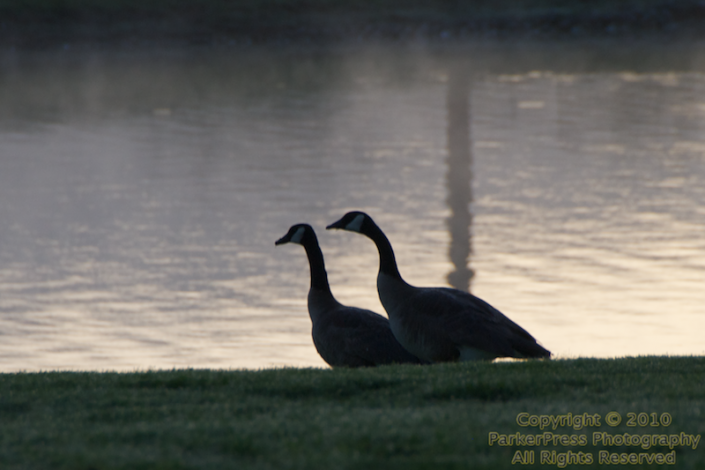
x,y
141,194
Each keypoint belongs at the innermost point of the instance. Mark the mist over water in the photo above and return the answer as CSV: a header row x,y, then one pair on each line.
x,y
141,194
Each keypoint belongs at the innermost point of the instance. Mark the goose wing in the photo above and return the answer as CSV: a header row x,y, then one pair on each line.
x,y
355,337
470,322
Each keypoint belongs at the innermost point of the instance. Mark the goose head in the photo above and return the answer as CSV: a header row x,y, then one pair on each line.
x,y
354,221
299,233
362,223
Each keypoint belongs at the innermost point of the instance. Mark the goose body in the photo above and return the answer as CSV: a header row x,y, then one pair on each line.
x,y
343,336
439,324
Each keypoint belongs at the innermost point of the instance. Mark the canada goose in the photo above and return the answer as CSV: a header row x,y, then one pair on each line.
x,y
343,336
440,324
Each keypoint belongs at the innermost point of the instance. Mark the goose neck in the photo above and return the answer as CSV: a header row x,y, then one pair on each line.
x,y
387,260
319,277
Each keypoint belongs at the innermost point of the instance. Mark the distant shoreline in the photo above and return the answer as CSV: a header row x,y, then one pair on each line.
x,y
47,23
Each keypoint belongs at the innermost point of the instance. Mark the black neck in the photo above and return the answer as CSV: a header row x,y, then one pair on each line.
x,y
387,261
319,277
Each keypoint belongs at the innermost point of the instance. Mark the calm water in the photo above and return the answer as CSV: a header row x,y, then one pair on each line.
x,y
141,195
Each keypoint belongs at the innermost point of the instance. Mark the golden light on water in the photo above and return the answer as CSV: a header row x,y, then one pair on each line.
x,y
139,232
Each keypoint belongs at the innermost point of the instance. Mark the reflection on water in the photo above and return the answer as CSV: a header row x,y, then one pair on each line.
x,y
459,163
141,194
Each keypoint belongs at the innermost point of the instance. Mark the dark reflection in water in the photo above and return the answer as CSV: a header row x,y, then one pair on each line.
x,y
459,175
141,193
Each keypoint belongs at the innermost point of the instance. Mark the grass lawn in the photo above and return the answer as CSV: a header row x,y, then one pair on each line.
x,y
404,417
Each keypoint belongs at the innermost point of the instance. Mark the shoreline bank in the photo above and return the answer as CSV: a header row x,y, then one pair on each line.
x,y
43,23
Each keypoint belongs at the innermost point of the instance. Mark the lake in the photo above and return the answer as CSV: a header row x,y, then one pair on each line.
x,y
141,193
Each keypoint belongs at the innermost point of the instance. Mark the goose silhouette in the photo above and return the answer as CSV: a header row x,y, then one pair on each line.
x,y
439,324
343,336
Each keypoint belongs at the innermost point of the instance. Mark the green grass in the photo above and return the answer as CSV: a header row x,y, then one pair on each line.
x,y
390,417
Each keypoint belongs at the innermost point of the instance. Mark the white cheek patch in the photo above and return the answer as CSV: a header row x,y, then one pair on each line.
x,y
298,235
356,223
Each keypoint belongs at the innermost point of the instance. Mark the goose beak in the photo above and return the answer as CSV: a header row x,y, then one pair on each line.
x,y
338,224
282,240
